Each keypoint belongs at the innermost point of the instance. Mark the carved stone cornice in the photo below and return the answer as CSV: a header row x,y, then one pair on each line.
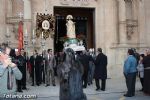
x,y
75,2
128,0
13,20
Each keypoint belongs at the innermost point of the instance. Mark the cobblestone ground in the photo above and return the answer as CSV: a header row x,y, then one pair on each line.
x,y
115,89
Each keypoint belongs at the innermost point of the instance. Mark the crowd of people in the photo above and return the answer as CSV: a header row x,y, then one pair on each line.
x,y
74,70
137,64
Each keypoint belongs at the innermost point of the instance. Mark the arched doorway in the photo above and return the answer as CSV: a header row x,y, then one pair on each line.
x,y
83,18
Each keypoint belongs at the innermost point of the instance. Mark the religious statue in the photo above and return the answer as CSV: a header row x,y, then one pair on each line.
x,y
70,27
72,42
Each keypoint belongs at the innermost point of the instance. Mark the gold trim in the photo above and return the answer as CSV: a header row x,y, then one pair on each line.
x,y
46,33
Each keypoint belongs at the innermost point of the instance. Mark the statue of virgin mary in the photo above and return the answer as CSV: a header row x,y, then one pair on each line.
x,y
70,27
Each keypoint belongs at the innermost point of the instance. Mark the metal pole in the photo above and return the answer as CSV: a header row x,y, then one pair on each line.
x,y
44,70
34,64
27,74
26,43
34,72
43,50
33,43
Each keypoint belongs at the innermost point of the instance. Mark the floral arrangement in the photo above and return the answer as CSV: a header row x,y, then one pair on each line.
x,y
78,37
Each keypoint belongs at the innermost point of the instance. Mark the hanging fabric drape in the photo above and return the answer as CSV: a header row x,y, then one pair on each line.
x,y
20,36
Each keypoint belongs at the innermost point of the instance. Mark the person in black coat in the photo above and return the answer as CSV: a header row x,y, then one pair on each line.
x,y
91,69
32,62
36,63
84,59
146,63
100,70
43,74
21,62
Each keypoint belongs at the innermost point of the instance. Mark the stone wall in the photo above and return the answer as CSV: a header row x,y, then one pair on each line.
x,y
147,21
2,19
109,23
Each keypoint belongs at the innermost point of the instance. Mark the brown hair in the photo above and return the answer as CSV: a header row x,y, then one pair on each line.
x,y
3,47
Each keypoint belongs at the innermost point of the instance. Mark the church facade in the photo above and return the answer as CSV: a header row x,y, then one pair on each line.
x,y
113,25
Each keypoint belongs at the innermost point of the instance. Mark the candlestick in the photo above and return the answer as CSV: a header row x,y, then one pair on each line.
x,y
33,33
8,32
26,33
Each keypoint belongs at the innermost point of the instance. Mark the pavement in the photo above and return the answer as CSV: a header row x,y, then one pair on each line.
x,y
115,88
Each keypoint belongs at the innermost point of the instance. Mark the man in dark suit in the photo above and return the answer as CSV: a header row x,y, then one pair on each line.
x,y
36,63
84,59
50,64
21,62
100,70
32,62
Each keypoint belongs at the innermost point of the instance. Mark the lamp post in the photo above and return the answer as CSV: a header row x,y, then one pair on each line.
x,y
26,50
43,53
33,44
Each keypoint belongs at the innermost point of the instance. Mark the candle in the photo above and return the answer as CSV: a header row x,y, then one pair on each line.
x,y
26,33
8,32
33,33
